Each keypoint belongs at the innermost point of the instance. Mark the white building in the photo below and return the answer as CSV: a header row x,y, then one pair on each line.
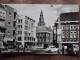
x,y
26,32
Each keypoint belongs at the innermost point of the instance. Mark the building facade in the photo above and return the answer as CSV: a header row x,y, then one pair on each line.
x,y
8,21
44,34
2,25
68,30
26,32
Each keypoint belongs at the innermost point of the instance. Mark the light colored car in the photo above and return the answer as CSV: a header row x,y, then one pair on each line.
x,y
52,49
38,50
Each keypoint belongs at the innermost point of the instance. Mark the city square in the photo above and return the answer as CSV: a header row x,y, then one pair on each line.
x,y
39,29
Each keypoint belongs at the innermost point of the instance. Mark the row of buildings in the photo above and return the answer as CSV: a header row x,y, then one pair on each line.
x,y
7,26
17,31
30,36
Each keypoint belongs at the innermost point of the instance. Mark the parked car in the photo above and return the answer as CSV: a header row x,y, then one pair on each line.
x,y
38,50
52,49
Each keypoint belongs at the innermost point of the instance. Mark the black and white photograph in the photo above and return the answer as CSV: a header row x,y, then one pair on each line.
x,y
39,28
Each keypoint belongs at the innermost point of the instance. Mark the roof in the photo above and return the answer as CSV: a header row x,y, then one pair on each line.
x,y
30,18
43,28
70,16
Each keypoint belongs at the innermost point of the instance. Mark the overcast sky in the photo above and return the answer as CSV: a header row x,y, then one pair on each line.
x,y
50,12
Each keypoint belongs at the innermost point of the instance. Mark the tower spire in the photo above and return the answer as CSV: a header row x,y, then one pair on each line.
x,y
41,19
41,14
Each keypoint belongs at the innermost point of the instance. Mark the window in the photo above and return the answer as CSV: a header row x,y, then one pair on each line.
x,y
71,40
26,27
71,32
75,40
26,22
9,13
63,27
19,38
28,38
25,33
3,17
1,44
67,40
19,32
19,26
8,22
29,34
3,13
63,32
71,27
14,23
25,38
32,25
74,32
1,30
8,32
13,32
74,26
34,39
19,20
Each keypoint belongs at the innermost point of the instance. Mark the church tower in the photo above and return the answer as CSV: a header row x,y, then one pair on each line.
x,y
41,20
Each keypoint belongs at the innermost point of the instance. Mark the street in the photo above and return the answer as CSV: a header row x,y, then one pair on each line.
x,y
26,56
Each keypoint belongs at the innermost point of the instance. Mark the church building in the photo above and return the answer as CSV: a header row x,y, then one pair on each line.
x,y
44,34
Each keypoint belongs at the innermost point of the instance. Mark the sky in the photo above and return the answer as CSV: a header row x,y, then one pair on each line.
x,y
50,11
